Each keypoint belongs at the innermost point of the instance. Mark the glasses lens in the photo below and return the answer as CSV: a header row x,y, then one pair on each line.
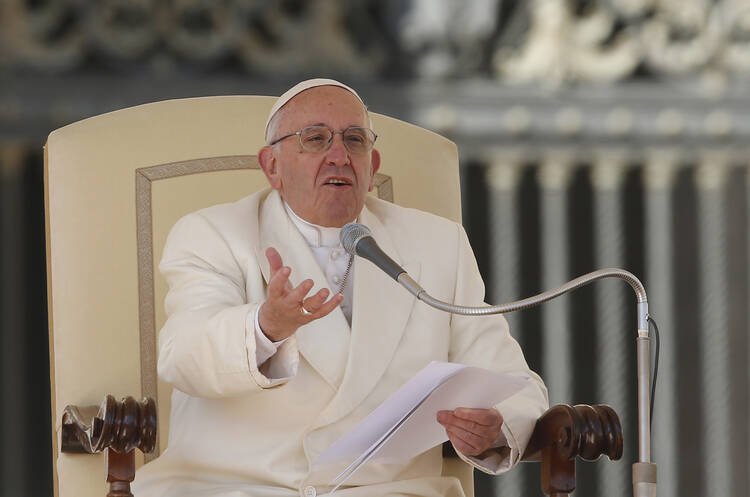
x,y
318,138
315,138
358,140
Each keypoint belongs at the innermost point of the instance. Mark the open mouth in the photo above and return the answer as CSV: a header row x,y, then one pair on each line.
x,y
338,182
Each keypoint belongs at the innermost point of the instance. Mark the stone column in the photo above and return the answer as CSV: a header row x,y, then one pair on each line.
x,y
612,306
710,178
658,178
503,174
554,178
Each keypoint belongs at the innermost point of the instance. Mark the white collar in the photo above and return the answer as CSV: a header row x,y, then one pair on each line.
x,y
316,236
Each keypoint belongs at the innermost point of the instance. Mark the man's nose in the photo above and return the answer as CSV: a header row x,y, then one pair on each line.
x,y
337,153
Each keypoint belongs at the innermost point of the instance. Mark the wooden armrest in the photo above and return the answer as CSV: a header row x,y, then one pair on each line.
x,y
565,432
117,427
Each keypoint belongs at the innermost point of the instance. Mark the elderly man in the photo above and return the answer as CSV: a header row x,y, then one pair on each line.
x,y
269,370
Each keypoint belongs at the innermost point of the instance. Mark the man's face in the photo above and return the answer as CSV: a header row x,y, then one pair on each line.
x,y
324,188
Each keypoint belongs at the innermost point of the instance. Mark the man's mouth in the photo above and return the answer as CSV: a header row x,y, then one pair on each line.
x,y
337,182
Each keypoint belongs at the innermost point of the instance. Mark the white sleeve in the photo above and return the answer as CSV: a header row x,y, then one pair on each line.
x,y
207,347
264,347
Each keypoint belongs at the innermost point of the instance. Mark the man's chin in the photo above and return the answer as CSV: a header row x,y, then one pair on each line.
x,y
336,211
336,223
337,219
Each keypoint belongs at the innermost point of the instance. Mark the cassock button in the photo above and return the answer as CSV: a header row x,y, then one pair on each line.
x,y
309,491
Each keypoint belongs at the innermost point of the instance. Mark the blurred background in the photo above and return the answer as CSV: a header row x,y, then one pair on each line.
x,y
592,133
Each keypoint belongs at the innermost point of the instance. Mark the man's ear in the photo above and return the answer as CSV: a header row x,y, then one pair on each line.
x,y
375,165
267,161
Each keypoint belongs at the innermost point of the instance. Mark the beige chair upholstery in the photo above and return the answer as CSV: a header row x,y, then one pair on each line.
x,y
114,186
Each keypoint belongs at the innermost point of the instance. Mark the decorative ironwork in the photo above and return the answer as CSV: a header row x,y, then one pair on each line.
x,y
611,40
268,37
544,41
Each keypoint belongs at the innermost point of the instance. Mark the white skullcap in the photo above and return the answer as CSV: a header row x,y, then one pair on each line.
x,y
299,88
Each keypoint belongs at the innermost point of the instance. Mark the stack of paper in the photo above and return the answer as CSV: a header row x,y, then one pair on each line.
x,y
405,425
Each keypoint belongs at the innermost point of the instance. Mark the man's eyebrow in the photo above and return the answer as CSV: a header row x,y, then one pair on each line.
x,y
326,125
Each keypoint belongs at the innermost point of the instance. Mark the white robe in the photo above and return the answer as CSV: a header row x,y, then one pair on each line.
x,y
237,430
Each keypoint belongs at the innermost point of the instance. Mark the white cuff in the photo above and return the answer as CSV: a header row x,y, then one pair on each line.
x,y
497,461
264,347
501,440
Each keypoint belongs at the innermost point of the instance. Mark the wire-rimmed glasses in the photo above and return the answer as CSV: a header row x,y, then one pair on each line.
x,y
318,138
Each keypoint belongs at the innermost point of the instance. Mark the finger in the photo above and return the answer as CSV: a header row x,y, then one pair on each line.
x,y
326,308
465,442
446,414
464,448
313,303
274,259
444,417
279,283
486,417
296,295
451,421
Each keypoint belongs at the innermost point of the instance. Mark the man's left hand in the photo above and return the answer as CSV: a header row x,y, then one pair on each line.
x,y
471,431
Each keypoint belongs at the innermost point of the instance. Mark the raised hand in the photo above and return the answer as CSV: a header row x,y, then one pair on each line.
x,y
471,431
287,308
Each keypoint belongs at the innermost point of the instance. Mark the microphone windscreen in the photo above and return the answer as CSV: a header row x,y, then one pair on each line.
x,y
352,233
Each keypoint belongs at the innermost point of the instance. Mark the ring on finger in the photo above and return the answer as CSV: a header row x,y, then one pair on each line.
x,y
304,311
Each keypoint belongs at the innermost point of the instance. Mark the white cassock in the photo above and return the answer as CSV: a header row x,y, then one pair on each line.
x,y
239,430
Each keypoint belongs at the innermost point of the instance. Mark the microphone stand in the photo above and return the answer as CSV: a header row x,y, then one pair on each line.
x,y
644,471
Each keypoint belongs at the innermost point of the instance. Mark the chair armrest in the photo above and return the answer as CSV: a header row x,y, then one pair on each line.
x,y
565,432
581,430
117,427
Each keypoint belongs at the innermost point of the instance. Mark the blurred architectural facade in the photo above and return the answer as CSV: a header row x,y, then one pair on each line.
x,y
593,133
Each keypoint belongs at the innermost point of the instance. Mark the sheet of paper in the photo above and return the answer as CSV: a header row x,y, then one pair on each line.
x,y
471,387
371,429
438,386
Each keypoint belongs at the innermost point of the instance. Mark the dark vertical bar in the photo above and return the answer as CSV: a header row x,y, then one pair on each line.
x,y
13,384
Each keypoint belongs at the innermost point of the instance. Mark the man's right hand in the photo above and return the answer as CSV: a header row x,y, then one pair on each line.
x,y
282,313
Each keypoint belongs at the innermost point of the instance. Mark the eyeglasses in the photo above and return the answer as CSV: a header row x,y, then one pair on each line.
x,y
357,140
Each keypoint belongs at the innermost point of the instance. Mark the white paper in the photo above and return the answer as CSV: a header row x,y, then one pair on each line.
x,y
379,422
405,425
470,387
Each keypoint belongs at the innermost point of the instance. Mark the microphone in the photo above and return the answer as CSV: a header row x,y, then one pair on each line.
x,y
357,240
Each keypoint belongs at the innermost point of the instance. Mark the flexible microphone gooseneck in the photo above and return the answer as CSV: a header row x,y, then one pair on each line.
x,y
357,240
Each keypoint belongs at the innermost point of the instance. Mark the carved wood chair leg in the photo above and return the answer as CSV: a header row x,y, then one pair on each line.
x,y
120,472
558,474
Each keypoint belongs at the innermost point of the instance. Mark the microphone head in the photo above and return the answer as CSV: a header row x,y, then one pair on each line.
x,y
351,234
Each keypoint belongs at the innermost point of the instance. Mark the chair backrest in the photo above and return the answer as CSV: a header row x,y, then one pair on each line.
x,y
114,186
